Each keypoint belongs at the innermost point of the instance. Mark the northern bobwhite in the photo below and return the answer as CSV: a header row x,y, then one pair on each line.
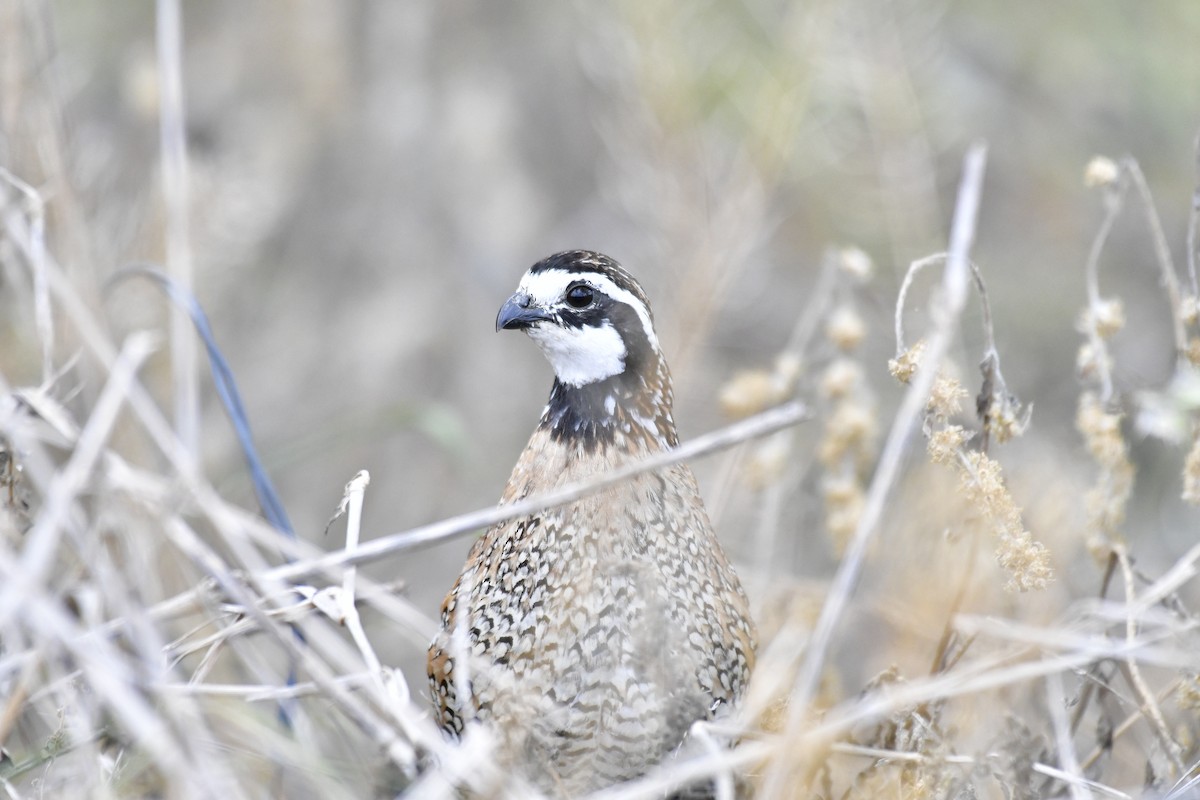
x,y
599,631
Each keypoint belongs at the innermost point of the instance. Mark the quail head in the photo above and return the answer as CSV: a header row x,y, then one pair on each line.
x,y
589,637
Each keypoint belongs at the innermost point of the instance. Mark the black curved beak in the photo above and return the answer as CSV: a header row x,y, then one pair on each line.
x,y
518,313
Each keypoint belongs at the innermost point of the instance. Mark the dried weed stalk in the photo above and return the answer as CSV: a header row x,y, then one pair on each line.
x,y
847,446
1002,416
1099,417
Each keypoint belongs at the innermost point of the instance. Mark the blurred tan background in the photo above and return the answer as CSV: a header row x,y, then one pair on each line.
x,y
370,180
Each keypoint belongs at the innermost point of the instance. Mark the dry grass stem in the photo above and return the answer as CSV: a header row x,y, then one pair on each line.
x,y
762,424
1193,221
1134,674
175,176
1162,252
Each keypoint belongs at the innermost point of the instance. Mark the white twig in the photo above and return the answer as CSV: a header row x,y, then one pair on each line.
x,y
1193,219
1065,640
396,701
1133,672
1180,573
849,749
42,310
1077,782
1162,253
1114,198
353,500
723,781
258,693
174,162
752,427
1055,702
1186,785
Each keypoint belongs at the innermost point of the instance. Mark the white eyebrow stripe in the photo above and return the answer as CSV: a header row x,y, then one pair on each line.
x,y
547,288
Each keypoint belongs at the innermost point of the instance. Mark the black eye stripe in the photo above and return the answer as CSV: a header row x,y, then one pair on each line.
x,y
593,316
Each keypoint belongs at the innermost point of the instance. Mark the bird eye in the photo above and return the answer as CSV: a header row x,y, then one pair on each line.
x,y
579,296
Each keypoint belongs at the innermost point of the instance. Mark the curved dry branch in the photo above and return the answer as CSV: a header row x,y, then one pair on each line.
x,y
1193,219
1114,199
941,258
994,401
1162,252
750,428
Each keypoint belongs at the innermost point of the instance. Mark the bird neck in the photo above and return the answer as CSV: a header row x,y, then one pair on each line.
x,y
632,408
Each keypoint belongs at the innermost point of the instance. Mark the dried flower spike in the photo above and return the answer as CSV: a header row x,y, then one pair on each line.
x,y
787,369
855,263
840,378
946,396
1004,416
945,443
904,366
1101,171
749,392
1108,317
1191,473
1008,421
1106,501
1193,351
767,462
1101,431
850,430
1090,364
844,499
1027,562
1189,692
1189,309
845,328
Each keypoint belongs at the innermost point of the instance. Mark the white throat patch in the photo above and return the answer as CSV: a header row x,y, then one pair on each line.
x,y
581,355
